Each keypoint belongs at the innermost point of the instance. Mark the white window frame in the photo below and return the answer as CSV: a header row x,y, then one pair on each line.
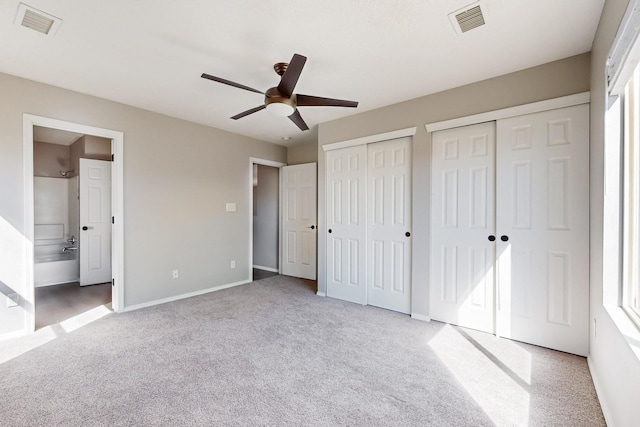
x,y
630,205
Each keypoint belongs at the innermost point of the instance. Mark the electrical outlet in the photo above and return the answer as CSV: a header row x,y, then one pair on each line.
x,y
175,273
233,264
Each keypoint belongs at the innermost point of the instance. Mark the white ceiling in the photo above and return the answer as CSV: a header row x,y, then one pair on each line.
x,y
151,53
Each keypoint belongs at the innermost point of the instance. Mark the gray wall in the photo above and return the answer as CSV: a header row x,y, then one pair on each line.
x,y
560,78
615,367
89,147
176,185
302,153
50,159
265,218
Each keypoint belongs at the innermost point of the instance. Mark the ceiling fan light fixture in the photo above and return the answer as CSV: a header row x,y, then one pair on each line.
x,y
279,105
280,109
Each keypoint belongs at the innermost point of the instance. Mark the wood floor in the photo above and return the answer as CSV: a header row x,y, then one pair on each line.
x,y
57,303
262,274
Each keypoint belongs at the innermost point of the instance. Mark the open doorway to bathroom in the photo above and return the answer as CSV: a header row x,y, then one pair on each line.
x,y
30,122
72,224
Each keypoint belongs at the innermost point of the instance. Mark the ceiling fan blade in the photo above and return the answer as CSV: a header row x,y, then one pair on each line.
x,y
230,83
291,76
246,113
317,101
297,119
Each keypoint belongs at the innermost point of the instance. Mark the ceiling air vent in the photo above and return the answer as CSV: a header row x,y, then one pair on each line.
x,y
467,18
37,20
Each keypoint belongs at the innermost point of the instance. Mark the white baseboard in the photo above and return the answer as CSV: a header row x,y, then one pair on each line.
x,y
183,296
321,294
420,317
260,267
600,393
42,285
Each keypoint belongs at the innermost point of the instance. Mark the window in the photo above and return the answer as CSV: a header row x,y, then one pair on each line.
x,y
631,198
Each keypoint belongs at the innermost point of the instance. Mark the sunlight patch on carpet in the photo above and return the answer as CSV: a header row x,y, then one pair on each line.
x,y
503,396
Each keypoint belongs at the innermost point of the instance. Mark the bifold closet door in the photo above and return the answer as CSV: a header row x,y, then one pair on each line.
x,y
543,211
346,224
463,226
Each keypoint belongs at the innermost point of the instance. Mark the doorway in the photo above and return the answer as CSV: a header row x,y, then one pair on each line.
x,y
72,192
48,233
263,271
266,222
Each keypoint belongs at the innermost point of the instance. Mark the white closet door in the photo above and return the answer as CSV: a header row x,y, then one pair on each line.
x,y
346,224
389,221
299,221
462,219
543,209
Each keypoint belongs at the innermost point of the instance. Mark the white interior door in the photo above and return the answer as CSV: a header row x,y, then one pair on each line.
x,y
389,225
543,210
299,220
95,221
462,219
346,224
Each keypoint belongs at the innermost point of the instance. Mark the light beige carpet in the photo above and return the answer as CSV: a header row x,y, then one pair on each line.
x,y
274,353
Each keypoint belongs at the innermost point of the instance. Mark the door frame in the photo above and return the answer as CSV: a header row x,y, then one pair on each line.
x,y
274,164
117,203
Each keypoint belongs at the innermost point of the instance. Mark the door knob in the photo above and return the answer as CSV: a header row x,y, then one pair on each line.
x,y
313,227
492,238
85,228
329,230
504,238
407,234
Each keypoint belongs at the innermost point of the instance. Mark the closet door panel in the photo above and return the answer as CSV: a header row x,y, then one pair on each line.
x,y
389,221
346,220
542,206
462,219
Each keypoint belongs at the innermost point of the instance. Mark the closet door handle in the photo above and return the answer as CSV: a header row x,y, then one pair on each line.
x,y
504,238
85,228
407,234
330,230
313,227
492,238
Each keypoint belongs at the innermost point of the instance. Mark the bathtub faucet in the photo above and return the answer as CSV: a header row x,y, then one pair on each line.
x,y
69,248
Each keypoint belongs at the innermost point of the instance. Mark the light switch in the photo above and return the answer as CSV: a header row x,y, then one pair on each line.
x,y
231,207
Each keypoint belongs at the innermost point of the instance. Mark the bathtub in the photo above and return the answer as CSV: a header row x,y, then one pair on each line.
x,y
52,266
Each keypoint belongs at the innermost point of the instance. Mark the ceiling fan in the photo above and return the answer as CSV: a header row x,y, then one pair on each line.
x,y
281,100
